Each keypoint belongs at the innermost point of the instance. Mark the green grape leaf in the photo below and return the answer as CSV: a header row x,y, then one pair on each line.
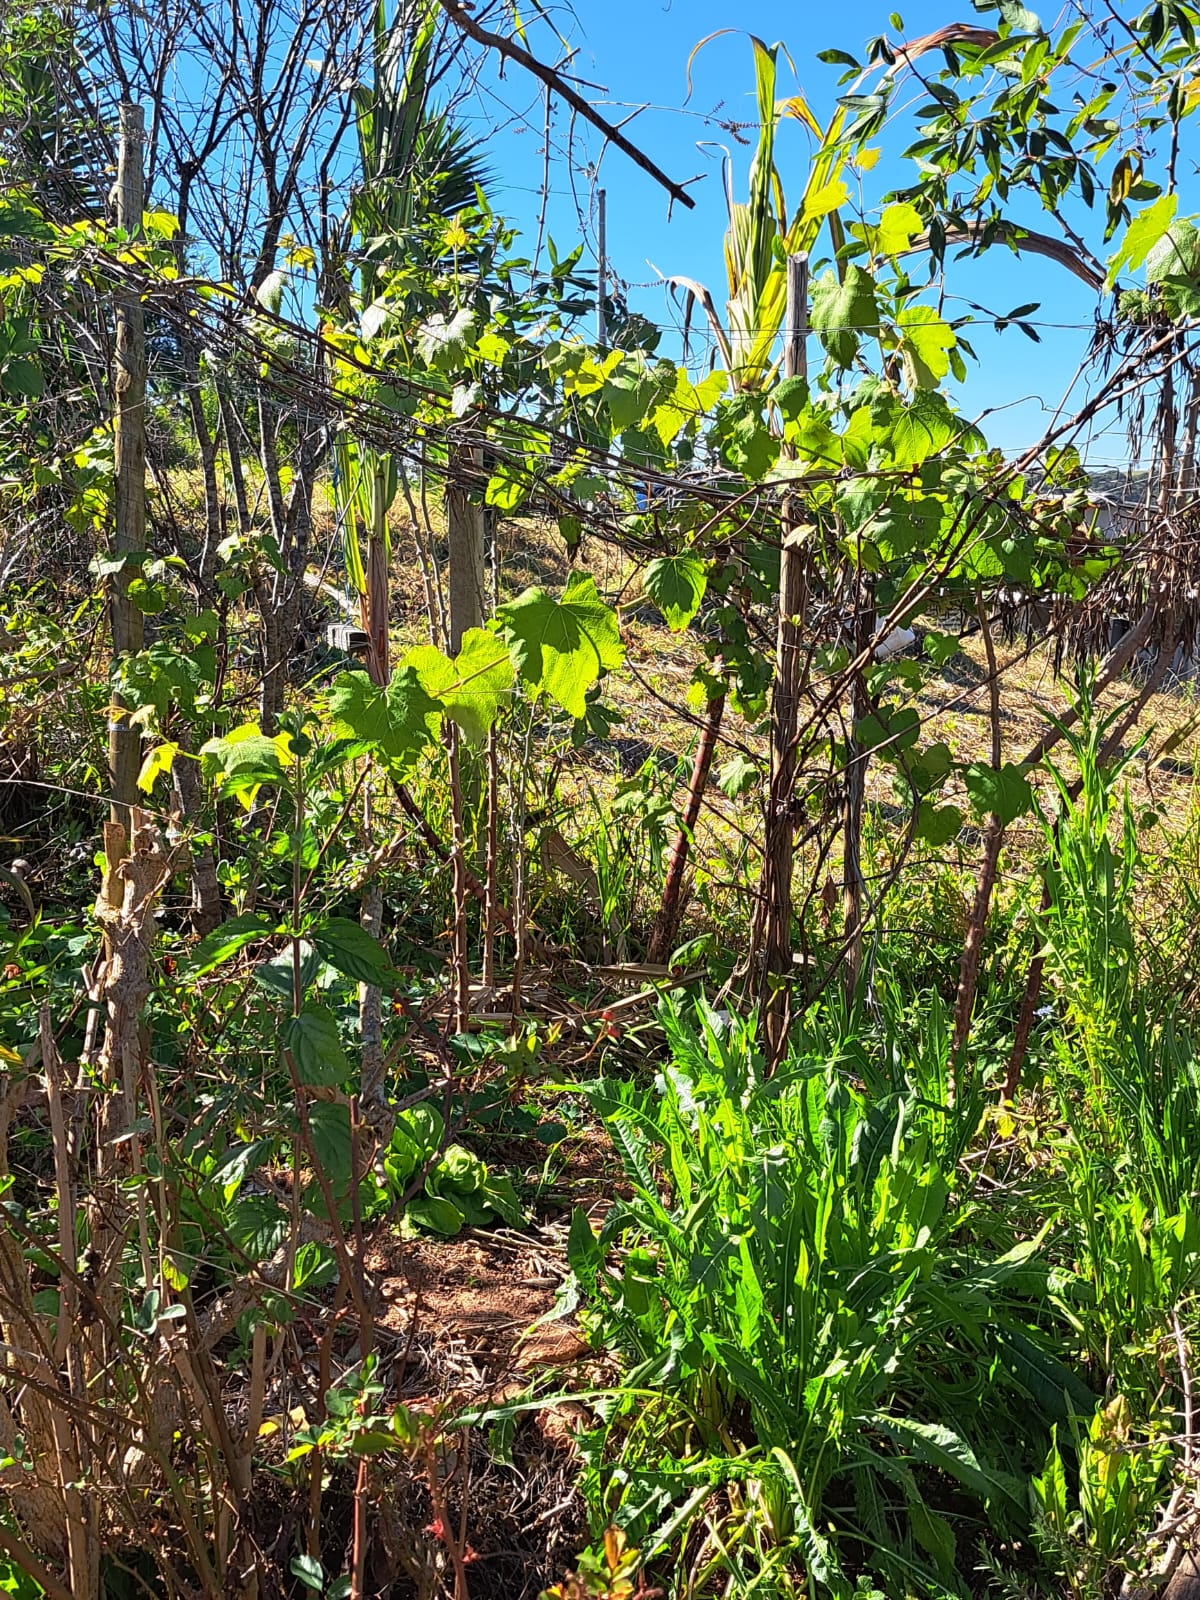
x,y
840,311
898,227
745,441
396,722
244,759
924,428
474,687
676,584
940,647
561,647
1142,234
891,731
826,199
929,768
1176,255
628,394
1004,794
937,825
791,397
444,341
737,776
507,487
925,345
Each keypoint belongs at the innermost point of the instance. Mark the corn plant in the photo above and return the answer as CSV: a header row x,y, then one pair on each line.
x,y
762,231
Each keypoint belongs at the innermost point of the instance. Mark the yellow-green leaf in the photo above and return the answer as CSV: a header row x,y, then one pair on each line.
x,y
156,765
898,227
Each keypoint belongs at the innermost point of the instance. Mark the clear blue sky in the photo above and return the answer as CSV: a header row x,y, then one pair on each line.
x,y
635,53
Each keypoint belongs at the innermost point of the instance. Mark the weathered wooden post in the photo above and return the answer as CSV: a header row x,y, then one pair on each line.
x,y
129,443
776,904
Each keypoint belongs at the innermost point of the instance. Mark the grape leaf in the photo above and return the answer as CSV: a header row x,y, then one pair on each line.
x,y
1142,234
1005,794
745,441
839,311
561,647
1176,255
898,227
923,429
397,722
737,776
925,343
156,765
472,688
244,759
937,825
676,584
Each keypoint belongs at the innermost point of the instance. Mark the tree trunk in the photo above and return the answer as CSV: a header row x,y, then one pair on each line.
x,y
206,889
856,788
968,972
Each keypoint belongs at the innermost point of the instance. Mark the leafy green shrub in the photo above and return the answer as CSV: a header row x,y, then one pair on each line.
x,y
459,1190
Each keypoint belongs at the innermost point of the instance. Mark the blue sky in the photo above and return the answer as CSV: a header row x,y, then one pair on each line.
x,y
635,53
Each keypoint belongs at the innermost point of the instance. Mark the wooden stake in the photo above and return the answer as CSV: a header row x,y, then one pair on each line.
x,y
601,267
129,427
775,912
466,532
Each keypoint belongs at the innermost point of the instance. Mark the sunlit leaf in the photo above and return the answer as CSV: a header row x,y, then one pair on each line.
x,y
676,584
223,943
925,343
157,765
561,647
396,722
350,949
842,309
474,687
1142,234
898,227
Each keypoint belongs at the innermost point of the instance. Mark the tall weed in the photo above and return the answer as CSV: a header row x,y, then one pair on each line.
x,y
828,1333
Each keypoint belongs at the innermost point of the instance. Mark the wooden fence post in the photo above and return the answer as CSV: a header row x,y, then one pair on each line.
x,y
466,537
776,891
129,430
